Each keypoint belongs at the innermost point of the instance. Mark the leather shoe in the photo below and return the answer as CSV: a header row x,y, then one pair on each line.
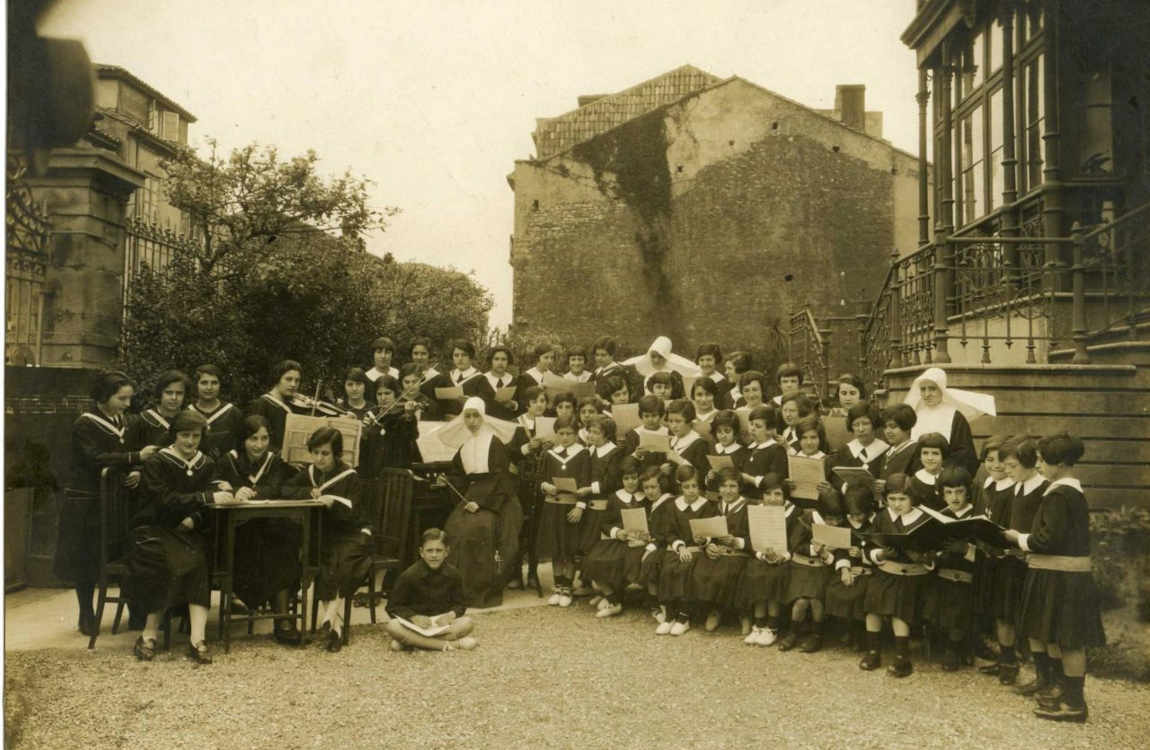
x,y
145,650
287,633
1062,712
199,653
872,660
901,668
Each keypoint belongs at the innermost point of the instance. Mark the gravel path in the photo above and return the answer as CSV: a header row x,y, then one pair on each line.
x,y
541,678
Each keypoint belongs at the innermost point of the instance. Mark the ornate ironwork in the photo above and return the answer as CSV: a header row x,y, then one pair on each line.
x,y
26,264
807,349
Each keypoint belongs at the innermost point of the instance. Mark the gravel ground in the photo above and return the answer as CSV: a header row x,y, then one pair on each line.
x,y
542,677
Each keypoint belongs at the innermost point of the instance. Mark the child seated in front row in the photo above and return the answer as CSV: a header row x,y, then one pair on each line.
x,y
847,589
681,551
811,571
430,592
897,589
762,588
715,576
615,562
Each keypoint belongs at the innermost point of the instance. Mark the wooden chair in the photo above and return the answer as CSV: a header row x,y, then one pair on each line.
x,y
388,501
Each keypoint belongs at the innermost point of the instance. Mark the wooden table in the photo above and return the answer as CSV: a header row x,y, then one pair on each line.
x,y
230,516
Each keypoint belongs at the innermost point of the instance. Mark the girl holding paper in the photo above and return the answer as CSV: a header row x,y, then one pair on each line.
x,y
866,451
767,456
651,410
526,449
568,464
661,524
682,551
847,588
687,448
492,387
762,587
715,577
615,561
725,428
811,570
346,532
484,525
605,477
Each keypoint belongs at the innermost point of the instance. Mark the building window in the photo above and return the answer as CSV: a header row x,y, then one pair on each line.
x,y
973,187
972,66
171,126
1096,136
994,162
995,39
1032,18
1034,114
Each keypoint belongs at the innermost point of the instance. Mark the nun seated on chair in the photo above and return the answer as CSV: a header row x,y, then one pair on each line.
x,y
484,526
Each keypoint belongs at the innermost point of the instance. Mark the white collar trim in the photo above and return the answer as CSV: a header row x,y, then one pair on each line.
x,y
1070,482
681,503
926,477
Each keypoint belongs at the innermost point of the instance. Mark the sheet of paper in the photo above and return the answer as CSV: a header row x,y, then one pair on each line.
x,y
712,527
626,417
834,537
545,427
581,390
635,519
768,526
433,450
449,394
718,463
853,474
565,484
652,442
806,473
505,394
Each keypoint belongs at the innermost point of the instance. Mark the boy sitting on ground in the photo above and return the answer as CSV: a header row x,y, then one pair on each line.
x,y
428,596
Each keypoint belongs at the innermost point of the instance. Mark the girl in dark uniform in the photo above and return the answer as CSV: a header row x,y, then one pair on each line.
x,y
282,400
156,422
346,534
168,564
223,418
267,549
99,440
1059,600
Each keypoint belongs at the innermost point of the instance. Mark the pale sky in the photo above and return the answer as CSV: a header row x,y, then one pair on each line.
x,y
435,100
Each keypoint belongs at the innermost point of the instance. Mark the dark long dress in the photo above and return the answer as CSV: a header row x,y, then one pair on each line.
x,y
346,545
675,576
847,601
1010,570
1059,606
890,593
97,443
559,538
762,581
606,477
267,549
485,389
661,524
389,441
168,563
153,428
483,542
949,604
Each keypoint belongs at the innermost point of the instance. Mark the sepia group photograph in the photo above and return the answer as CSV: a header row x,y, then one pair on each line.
x,y
753,373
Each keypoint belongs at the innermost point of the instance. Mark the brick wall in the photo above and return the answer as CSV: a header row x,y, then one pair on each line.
x,y
712,219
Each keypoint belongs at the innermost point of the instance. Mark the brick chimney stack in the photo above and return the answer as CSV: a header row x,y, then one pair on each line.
x,y
850,102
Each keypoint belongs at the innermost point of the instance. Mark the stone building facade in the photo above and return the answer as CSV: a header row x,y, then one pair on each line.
x,y
705,209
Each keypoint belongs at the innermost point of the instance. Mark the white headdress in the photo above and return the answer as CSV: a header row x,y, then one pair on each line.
x,y
939,418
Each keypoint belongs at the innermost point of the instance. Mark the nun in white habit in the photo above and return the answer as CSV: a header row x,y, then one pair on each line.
x,y
946,411
483,530
660,358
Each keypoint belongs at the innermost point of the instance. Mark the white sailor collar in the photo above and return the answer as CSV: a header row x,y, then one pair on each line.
x,y
999,484
706,417
1030,485
717,376
253,478
735,505
153,417
190,466
681,503
497,381
627,498
107,425
1070,482
788,508
276,400
911,516
535,374
680,444
726,450
895,449
221,410
662,499
869,453
582,377
892,513
461,376
926,477
966,509
603,450
763,445
572,450
797,452
330,480
430,373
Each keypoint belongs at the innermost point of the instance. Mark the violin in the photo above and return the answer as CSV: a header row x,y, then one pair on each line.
x,y
315,405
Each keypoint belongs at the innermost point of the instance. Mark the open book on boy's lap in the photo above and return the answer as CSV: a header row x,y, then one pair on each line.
x,y
435,628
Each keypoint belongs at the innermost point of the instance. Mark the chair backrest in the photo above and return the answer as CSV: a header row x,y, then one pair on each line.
x,y
394,524
117,507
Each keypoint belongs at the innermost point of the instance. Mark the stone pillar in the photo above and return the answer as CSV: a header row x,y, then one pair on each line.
x,y
86,192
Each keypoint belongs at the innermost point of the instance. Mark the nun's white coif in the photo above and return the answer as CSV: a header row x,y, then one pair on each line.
x,y
940,418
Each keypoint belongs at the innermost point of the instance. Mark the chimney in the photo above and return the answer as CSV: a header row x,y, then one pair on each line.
x,y
850,103
586,99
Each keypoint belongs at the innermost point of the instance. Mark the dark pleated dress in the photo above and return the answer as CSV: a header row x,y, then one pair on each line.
x,y
224,425
614,562
675,575
716,581
661,524
949,604
606,477
766,582
806,581
168,563
847,601
889,593
559,538
1058,606
267,549
483,544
